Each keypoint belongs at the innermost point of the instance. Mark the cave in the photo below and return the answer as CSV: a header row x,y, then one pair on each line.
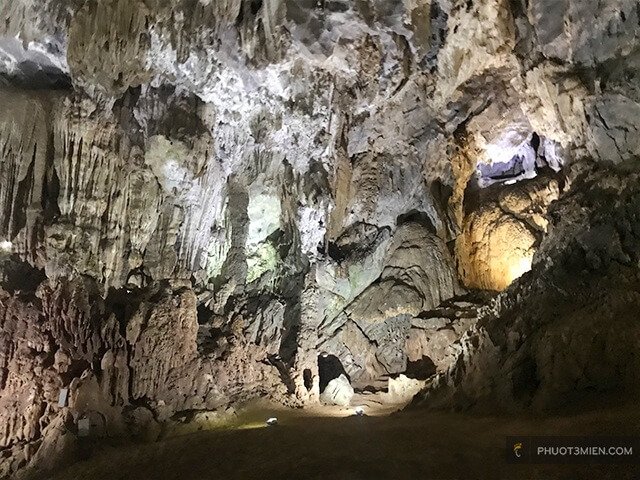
x,y
319,239
329,368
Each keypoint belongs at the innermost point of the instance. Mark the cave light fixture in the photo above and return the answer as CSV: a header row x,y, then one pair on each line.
x,y
6,245
359,411
272,421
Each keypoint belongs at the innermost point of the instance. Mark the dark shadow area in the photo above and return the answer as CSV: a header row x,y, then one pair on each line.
x,y
356,241
329,367
421,369
407,445
416,216
307,378
20,276
31,76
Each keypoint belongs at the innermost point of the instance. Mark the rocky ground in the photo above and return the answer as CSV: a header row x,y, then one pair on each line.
x,y
317,445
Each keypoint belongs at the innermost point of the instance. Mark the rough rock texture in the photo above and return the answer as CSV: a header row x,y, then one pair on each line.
x,y
338,392
500,235
369,335
431,340
199,198
567,330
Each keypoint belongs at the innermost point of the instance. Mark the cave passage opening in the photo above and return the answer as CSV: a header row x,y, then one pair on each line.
x,y
329,368
307,378
534,155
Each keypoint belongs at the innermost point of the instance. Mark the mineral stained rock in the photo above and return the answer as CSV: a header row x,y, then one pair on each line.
x,y
566,332
199,198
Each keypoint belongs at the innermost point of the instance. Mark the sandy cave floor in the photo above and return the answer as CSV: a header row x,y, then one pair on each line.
x,y
324,443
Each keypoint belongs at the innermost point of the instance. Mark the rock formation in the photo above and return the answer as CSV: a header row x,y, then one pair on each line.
x,y
566,331
200,198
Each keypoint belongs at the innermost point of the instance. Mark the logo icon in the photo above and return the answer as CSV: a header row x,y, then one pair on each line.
x,y
517,449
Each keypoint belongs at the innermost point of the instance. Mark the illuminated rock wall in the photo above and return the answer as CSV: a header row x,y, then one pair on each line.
x,y
500,237
566,334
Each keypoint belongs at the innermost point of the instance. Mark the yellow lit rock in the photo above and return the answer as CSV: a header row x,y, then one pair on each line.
x,y
494,249
499,238
519,268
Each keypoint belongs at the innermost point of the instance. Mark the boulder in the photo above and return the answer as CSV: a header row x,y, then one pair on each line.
x,y
338,392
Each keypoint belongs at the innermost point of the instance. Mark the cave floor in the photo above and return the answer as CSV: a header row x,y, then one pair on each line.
x,y
319,443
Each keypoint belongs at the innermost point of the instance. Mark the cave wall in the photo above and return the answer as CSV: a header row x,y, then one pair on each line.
x,y
201,197
565,335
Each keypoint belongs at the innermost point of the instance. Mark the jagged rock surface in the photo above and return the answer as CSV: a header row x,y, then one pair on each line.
x,y
197,198
500,235
338,392
567,330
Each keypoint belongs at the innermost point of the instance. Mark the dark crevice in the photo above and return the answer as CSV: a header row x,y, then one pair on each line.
x,y
329,367
535,141
123,303
525,380
255,6
18,275
31,76
421,369
74,370
439,31
204,314
22,197
356,241
240,18
416,216
50,189
283,371
307,378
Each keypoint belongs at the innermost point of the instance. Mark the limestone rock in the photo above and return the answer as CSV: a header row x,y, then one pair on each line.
x,y
417,275
499,239
568,332
402,389
109,55
338,392
197,198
